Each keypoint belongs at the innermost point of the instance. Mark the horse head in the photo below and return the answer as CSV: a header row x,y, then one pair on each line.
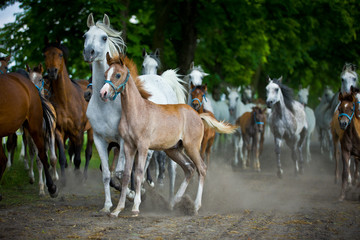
x,y
247,95
55,58
303,95
36,76
273,92
346,109
151,62
4,61
196,75
259,116
348,77
198,96
100,39
234,96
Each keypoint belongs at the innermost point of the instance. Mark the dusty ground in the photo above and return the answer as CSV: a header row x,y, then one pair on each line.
x,y
236,205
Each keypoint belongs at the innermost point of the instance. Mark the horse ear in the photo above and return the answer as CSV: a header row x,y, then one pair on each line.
x,y
192,65
228,89
90,20
205,74
108,58
157,53
268,78
308,88
280,79
340,96
205,87
28,69
144,54
41,68
121,59
106,20
239,89
191,85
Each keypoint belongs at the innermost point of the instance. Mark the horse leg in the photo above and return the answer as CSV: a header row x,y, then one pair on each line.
x,y
208,149
256,151
308,154
62,158
23,152
277,153
300,145
78,143
172,176
201,169
356,171
147,169
237,147
101,146
139,175
41,181
336,152
129,154
88,150
247,153
11,146
2,163
53,157
188,167
346,177
160,158
33,152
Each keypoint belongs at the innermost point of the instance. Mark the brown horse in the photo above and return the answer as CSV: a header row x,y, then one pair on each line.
x,y
145,125
70,106
198,97
4,61
252,127
21,105
350,140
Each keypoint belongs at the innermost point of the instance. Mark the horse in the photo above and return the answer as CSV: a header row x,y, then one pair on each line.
x,y
4,62
21,105
181,128
236,109
247,96
350,138
195,77
67,98
150,66
287,121
252,127
105,116
321,122
303,96
198,95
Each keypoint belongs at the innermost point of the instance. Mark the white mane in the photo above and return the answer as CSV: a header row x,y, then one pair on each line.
x,y
116,42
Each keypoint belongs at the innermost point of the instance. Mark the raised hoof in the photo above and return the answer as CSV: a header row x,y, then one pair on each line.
x,y
280,173
53,193
115,183
104,211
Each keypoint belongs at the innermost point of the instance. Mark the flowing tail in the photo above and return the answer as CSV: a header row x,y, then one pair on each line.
x,y
49,117
220,127
172,78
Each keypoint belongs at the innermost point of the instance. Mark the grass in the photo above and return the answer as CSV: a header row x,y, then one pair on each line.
x,y
15,179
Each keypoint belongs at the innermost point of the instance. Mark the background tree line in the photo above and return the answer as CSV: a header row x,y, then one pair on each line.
x,y
237,42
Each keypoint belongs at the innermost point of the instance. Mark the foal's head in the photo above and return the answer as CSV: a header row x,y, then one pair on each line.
x,y
303,95
4,61
117,77
247,95
55,58
234,96
196,75
259,117
348,77
198,96
36,76
346,109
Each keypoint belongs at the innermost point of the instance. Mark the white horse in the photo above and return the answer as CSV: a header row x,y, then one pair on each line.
x,y
236,109
322,123
195,77
150,66
303,95
288,121
105,116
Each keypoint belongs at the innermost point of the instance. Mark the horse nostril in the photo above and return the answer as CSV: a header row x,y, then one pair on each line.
x,y
92,52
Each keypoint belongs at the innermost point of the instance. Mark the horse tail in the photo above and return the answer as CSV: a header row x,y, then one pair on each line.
x,y
49,117
220,127
172,78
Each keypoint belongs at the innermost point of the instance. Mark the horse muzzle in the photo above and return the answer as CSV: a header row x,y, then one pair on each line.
x,y
269,104
52,72
89,55
343,124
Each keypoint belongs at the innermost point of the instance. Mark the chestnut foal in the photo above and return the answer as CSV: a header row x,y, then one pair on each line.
x,y
145,125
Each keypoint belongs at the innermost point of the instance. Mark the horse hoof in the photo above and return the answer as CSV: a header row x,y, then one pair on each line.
x,y
341,198
41,194
31,181
54,193
135,213
151,183
279,174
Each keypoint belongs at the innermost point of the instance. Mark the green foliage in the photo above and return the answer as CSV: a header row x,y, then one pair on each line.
x,y
238,42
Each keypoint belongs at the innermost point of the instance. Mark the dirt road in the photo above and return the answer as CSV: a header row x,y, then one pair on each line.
x,y
236,205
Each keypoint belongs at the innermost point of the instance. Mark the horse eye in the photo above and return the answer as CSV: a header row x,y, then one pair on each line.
x,y
342,79
84,36
237,98
277,90
118,75
104,38
60,55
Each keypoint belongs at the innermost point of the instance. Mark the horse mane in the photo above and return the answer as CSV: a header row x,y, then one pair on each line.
x,y
116,42
23,72
288,95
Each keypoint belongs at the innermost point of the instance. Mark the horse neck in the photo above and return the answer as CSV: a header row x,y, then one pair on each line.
x,y
61,85
280,108
98,72
132,101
